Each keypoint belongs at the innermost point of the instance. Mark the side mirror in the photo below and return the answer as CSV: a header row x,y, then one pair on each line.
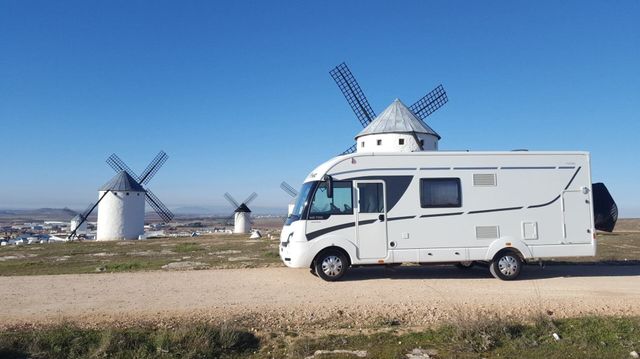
x,y
329,181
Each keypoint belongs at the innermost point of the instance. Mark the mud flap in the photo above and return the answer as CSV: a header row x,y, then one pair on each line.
x,y
605,211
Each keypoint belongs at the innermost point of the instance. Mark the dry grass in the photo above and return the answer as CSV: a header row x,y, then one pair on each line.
x,y
212,251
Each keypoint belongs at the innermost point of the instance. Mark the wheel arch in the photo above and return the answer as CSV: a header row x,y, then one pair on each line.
x,y
507,244
330,248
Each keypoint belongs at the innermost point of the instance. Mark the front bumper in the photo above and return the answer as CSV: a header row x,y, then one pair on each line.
x,y
295,255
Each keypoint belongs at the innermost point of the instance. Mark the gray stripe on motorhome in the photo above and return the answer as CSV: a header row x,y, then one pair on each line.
x,y
435,168
528,168
572,178
400,218
441,214
318,233
374,169
495,210
475,168
544,204
566,167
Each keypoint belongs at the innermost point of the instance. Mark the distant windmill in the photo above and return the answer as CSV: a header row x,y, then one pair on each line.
x,y
242,213
291,192
121,214
396,124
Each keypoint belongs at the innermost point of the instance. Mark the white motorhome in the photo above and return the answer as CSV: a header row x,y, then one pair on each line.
x,y
502,208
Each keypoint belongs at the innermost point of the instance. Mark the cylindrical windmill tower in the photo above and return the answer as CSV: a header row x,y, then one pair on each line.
x,y
242,219
78,225
121,210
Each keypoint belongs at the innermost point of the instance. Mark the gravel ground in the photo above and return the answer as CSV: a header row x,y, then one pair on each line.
x,y
288,299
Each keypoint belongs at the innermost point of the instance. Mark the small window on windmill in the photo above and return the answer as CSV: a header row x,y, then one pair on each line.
x,y
379,142
401,141
421,142
362,144
127,193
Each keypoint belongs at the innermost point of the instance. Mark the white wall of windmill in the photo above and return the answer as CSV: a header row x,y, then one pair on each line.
x,y
120,216
73,226
242,222
396,142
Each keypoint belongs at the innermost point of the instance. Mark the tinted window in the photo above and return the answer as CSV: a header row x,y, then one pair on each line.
x,y
341,202
371,198
440,192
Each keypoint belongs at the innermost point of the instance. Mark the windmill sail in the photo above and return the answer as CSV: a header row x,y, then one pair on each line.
x,y
353,93
158,206
85,215
287,188
118,165
430,103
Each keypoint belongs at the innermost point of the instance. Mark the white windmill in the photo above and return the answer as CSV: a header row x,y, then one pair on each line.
x,y
241,214
398,128
78,225
121,201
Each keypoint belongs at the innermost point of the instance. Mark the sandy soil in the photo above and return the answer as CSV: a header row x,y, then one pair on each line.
x,y
290,298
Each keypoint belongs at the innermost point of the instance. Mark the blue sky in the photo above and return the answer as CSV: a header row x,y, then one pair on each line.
x,y
238,93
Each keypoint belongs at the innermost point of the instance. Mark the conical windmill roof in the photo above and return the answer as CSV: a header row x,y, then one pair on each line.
x,y
243,208
122,182
397,118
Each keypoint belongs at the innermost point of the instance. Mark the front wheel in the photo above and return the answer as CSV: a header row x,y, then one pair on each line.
x,y
506,266
331,265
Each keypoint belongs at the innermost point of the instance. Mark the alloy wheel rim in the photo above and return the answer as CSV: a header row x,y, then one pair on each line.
x,y
332,266
508,265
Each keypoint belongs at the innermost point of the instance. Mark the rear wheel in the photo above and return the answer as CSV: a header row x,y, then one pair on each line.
x,y
506,266
331,265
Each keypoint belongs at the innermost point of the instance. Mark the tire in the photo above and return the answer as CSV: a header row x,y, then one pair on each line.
x,y
331,265
465,265
506,266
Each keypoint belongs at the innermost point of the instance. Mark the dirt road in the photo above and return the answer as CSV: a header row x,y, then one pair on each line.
x,y
283,298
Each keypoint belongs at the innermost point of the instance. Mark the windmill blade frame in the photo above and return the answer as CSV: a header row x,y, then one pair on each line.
x,y
231,200
250,198
153,167
353,93
118,165
289,189
430,102
350,150
158,206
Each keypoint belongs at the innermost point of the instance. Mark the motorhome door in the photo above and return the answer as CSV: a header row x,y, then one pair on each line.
x,y
371,219
576,213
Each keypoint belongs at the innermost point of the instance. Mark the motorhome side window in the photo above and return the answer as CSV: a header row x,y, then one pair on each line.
x,y
341,203
440,192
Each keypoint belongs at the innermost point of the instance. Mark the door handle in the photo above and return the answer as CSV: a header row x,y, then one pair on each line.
x,y
381,217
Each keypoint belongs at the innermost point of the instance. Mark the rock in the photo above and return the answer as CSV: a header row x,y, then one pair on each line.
x,y
185,265
634,354
357,353
556,336
422,353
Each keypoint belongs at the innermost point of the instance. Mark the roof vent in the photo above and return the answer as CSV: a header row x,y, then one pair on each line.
x,y
484,179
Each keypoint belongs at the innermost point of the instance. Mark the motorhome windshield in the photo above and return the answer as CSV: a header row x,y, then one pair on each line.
x,y
301,202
